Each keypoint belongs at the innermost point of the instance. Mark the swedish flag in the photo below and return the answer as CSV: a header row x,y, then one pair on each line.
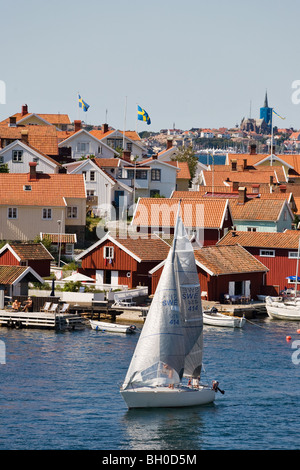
x,y
143,115
82,104
274,112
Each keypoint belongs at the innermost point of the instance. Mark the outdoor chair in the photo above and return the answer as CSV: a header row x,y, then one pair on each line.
x,y
46,307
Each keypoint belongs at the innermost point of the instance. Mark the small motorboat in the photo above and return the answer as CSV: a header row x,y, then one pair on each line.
x,y
112,327
215,318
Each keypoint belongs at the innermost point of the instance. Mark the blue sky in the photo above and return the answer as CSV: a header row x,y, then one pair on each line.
x,y
194,63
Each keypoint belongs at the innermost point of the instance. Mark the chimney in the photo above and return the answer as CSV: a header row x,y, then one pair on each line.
x,y
32,171
252,149
24,136
24,110
233,165
12,121
126,155
77,124
169,143
242,195
235,186
271,180
154,156
282,188
105,128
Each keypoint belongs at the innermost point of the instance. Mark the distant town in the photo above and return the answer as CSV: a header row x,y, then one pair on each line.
x,y
103,200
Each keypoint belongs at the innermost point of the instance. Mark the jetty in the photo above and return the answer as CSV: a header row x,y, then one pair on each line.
x,y
47,320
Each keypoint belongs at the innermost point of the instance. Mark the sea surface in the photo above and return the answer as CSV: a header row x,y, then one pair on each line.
x,y
60,391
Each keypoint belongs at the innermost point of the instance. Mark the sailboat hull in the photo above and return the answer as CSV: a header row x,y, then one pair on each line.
x,y
164,397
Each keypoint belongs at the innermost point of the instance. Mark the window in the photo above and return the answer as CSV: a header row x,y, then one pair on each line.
x,y
36,160
72,212
154,193
129,146
82,147
293,254
108,252
1,159
27,187
92,176
155,174
141,174
267,253
251,229
69,248
12,213
17,156
47,214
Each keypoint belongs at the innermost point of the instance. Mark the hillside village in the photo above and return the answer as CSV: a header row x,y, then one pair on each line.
x,y
60,179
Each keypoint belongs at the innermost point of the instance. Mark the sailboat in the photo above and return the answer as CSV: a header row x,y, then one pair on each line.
x,y
171,342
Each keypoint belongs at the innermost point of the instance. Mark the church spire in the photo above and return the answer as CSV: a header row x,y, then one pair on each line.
x,y
266,101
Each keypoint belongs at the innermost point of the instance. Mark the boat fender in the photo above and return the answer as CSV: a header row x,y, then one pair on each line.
x,y
288,338
215,387
132,327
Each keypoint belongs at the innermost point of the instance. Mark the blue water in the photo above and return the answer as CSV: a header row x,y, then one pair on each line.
x,y
207,159
61,391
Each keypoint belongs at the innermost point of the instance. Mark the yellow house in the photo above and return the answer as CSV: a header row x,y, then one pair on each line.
x,y
33,202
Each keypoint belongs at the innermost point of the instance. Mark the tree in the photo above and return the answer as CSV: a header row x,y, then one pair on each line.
x,y
4,168
187,154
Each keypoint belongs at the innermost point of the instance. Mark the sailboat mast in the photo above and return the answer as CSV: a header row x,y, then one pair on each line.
x,y
297,267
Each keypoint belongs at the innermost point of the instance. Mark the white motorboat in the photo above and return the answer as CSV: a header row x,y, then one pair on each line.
x,y
214,318
281,309
112,327
171,342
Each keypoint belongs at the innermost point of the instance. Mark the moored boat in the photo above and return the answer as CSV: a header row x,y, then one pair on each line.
x,y
279,309
112,327
214,318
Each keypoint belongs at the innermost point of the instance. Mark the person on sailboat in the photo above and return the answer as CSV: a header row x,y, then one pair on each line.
x,y
170,374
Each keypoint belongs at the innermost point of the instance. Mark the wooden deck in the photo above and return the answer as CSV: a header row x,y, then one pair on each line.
x,y
40,320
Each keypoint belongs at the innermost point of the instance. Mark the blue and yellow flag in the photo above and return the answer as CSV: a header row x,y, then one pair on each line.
x,y
278,114
143,115
82,104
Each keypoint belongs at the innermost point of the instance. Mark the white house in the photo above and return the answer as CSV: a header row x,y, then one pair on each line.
x,y
84,144
18,155
128,141
105,183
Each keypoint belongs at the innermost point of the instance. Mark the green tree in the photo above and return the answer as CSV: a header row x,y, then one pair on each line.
x,y
187,154
4,168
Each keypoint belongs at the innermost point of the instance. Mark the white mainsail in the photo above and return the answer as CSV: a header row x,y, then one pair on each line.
x,y
170,344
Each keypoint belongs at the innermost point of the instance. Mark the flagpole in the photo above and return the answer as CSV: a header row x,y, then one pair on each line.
x,y
272,138
124,122
136,118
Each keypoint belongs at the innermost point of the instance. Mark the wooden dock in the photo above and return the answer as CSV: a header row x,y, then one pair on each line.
x,y
250,310
56,321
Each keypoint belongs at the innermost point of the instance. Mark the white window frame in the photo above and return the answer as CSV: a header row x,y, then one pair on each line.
x,y
293,255
108,252
12,213
267,253
17,156
47,213
69,249
72,212
82,147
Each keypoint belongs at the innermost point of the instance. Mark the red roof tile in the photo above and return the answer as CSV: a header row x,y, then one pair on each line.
x,y
46,190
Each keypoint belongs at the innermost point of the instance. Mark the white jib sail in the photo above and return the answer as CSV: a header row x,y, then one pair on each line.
x,y
170,343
